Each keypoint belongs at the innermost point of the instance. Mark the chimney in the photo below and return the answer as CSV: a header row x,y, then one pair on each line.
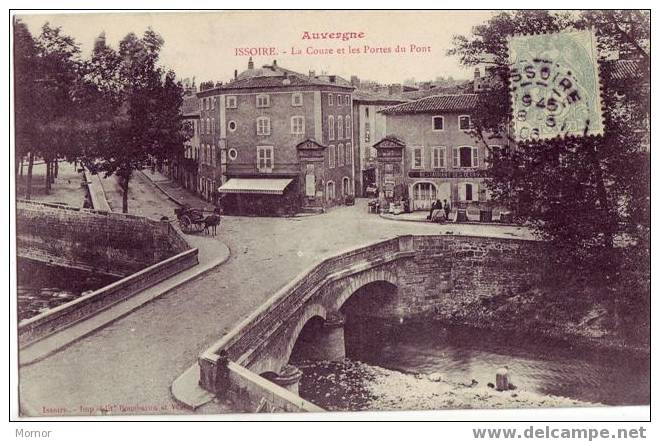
x,y
395,89
235,73
477,73
332,78
250,63
274,63
312,73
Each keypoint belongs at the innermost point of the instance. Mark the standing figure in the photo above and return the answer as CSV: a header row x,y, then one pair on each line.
x,y
447,210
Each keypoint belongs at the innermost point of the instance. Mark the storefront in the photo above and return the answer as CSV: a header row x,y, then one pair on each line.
x,y
259,196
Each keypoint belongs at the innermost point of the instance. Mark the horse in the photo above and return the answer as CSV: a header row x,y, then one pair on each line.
x,y
211,223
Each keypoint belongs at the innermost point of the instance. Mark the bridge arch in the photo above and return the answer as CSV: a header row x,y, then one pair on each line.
x,y
310,313
360,280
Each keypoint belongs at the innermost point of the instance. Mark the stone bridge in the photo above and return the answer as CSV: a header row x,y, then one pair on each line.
x,y
413,276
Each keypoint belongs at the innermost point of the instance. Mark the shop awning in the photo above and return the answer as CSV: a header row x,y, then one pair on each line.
x,y
261,186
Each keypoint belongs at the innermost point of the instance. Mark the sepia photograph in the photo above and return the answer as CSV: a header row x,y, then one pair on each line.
x,y
304,211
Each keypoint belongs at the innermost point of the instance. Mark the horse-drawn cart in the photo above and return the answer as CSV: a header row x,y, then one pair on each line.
x,y
193,220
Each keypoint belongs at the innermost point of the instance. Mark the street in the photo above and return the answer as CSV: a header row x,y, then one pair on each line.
x,y
133,361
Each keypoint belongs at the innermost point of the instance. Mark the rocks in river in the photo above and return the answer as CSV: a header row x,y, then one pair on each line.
x,y
435,377
502,379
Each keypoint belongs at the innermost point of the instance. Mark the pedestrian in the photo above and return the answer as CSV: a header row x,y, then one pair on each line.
x,y
434,206
437,215
447,210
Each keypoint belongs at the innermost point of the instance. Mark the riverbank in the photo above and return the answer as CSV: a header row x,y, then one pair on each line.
x,y
575,315
354,385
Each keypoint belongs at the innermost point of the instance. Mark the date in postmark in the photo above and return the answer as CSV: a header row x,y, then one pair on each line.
x,y
554,85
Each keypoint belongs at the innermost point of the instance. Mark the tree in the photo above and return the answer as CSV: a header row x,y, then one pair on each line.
x,y
582,194
145,121
25,68
46,72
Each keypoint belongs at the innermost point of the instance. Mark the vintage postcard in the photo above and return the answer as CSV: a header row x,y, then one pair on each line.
x,y
358,212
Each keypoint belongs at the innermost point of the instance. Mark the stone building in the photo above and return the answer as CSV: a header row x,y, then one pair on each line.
x,y
369,127
277,141
429,154
183,168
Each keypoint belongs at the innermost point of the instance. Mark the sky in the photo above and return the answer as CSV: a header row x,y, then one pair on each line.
x,y
204,44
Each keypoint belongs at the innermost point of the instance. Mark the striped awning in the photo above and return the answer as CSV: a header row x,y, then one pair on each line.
x,y
261,186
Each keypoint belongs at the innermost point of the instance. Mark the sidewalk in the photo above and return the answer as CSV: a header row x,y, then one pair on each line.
x,y
211,253
175,192
422,216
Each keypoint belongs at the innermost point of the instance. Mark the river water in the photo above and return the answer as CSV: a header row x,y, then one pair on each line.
x,y
389,367
42,287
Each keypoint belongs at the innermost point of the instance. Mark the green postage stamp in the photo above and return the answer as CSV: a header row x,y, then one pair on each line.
x,y
555,87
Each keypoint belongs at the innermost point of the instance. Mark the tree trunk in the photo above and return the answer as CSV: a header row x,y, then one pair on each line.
x,y
28,186
48,170
124,196
57,169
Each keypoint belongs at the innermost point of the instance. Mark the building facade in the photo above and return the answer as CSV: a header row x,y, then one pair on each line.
x,y
369,127
184,167
430,154
276,141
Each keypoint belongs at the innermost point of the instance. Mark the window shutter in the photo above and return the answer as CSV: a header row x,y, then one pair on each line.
x,y
475,157
456,156
475,192
461,191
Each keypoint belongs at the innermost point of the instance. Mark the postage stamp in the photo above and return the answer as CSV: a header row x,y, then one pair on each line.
x,y
555,87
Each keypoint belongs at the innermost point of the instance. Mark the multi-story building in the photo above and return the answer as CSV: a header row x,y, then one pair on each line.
x,y
429,153
369,126
277,141
184,166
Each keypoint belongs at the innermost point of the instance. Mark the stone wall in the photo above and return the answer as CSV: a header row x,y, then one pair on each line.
x,y
434,276
98,241
449,272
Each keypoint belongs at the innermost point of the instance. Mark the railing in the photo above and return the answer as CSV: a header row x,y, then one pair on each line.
x,y
58,318
242,343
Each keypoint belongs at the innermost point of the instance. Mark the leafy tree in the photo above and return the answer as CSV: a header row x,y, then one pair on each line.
x,y
59,70
145,120
582,194
25,104
47,70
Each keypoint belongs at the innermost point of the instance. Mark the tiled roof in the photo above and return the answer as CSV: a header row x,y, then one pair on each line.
x,y
389,140
440,90
279,81
368,96
437,103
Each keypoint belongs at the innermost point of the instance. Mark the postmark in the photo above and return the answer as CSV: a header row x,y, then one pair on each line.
x,y
554,85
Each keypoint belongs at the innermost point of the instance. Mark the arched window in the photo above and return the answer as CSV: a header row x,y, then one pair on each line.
x,y
346,186
340,127
330,192
340,155
331,127
331,156
349,153
349,126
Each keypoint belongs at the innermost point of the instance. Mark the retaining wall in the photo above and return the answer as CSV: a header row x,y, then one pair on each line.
x,y
97,241
56,319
